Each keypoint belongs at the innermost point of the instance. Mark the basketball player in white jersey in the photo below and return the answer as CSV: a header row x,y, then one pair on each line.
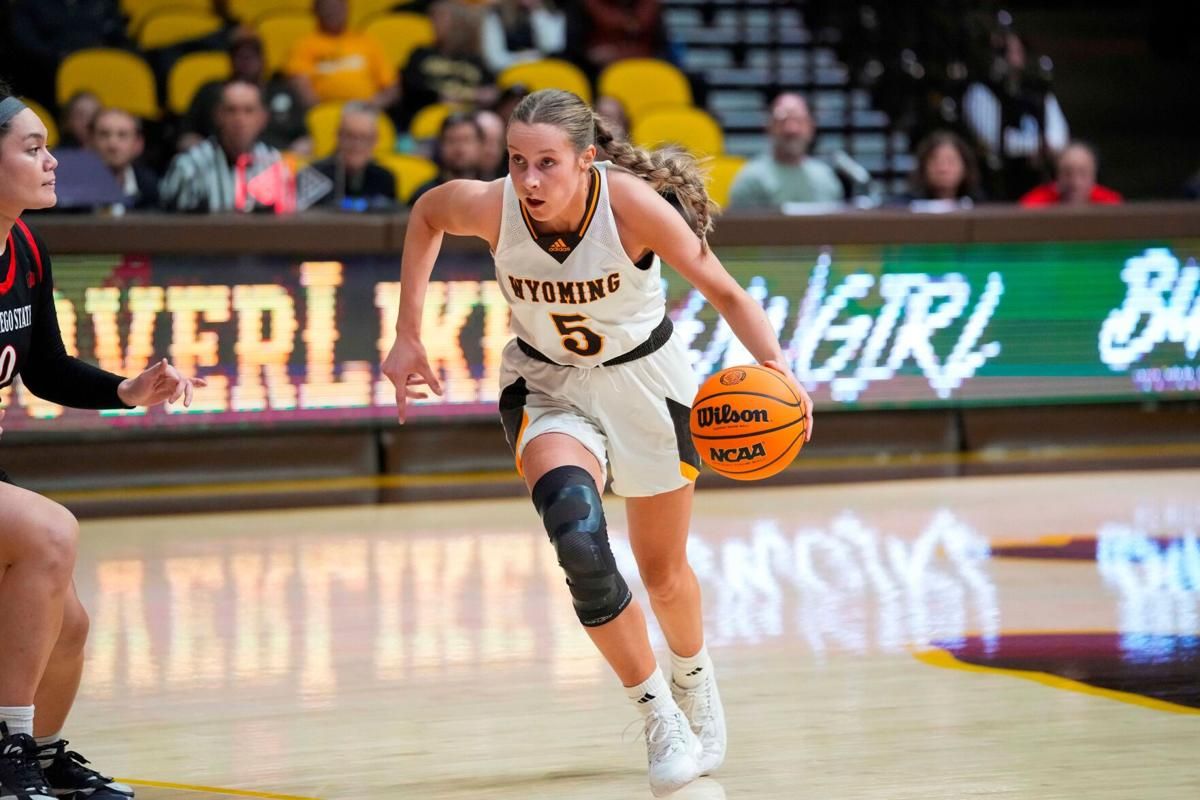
x,y
595,378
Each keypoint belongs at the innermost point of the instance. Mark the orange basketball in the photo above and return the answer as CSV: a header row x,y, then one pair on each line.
x,y
747,422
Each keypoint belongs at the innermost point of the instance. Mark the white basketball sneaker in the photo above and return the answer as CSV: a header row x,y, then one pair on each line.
x,y
672,749
704,711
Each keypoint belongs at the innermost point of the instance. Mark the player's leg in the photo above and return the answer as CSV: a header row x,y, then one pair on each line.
x,y
66,774
60,680
553,460
565,479
654,464
658,531
37,556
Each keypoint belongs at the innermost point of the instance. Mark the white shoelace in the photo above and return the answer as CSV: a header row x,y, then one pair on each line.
x,y
665,734
696,704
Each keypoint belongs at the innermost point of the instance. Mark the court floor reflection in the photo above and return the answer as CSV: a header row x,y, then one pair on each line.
x,y
430,650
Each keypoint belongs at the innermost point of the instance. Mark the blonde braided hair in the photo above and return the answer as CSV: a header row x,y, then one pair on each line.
x,y
667,169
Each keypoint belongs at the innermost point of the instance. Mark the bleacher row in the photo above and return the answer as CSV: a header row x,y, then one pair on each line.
x,y
746,51
656,95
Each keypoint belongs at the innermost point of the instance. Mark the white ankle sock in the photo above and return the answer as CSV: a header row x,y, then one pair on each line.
x,y
652,693
18,718
42,741
690,672
45,740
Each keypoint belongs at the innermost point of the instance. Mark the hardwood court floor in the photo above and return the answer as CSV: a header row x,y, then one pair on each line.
x,y
1019,637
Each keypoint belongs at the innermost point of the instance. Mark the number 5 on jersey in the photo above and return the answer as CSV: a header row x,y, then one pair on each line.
x,y
577,337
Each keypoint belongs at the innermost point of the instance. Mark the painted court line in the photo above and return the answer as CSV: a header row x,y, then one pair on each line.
x,y
214,790
946,660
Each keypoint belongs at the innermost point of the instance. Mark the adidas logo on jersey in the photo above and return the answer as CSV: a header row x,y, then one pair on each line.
x,y
560,246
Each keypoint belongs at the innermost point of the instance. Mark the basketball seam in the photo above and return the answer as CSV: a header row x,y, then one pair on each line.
x,y
786,450
700,400
779,377
747,434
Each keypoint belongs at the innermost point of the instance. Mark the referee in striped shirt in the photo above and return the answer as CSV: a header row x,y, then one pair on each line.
x,y
213,175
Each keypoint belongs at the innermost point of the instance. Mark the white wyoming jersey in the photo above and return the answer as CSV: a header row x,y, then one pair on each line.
x,y
576,297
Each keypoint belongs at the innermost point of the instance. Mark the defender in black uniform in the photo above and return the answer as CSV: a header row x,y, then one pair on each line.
x,y
43,627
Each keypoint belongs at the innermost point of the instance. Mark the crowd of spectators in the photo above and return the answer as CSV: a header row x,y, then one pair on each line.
x,y
1008,141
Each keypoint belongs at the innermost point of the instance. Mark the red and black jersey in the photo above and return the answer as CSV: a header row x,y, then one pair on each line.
x,y
31,344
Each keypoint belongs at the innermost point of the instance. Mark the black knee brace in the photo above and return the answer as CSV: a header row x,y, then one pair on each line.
x,y
569,504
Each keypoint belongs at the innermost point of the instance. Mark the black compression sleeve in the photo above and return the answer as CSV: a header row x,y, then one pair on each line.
x,y
53,375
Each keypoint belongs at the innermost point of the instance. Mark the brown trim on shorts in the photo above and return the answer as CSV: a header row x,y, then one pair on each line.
x,y
689,456
513,417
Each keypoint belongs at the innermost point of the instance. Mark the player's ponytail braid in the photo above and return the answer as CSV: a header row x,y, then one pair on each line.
x,y
668,169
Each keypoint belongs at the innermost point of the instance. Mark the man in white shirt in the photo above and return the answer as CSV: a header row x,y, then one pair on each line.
x,y
787,174
1018,123
229,171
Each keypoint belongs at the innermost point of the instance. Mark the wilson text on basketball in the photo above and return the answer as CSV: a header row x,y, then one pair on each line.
x,y
726,414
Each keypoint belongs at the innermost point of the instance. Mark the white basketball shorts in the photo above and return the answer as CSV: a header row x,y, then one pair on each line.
x,y
633,417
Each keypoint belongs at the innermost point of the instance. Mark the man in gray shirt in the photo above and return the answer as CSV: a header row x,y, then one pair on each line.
x,y
787,174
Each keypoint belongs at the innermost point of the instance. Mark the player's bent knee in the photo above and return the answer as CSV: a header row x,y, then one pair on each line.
x,y
664,584
75,626
54,540
570,507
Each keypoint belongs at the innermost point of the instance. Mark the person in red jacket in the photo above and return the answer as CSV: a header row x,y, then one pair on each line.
x,y
1075,184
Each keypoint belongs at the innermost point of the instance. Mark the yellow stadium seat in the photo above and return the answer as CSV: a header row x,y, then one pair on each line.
x,y
400,34
362,11
47,119
322,121
644,85
119,78
139,11
190,73
548,73
696,130
171,27
251,11
412,172
721,172
278,33
427,123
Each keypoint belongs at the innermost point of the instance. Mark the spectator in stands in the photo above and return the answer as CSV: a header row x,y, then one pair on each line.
x,y
945,172
612,111
1075,184
452,70
459,152
215,174
787,174
337,64
510,97
75,128
117,139
494,160
1191,189
1016,120
359,183
285,113
44,32
515,31
604,31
